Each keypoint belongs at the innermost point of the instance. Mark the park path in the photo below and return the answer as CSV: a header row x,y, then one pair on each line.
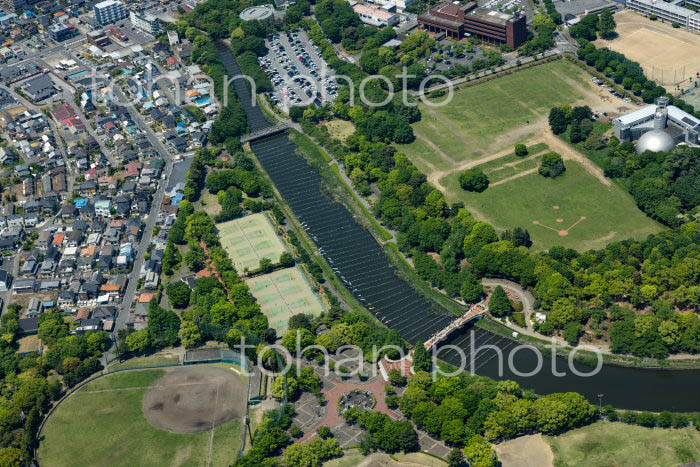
x,y
333,418
516,176
525,297
567,151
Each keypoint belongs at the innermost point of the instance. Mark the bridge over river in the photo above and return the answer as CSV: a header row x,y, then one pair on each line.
x,y
360,260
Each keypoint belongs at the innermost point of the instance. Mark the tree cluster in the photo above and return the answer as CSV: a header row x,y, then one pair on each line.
x,y
458,408
27,392
593,24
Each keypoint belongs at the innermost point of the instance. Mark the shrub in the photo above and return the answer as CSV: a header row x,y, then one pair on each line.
x,y
552,165
473,180
521,150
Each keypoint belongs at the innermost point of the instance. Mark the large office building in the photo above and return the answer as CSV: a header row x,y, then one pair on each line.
x,y
109,12
659,127
672,12
145,22
457,21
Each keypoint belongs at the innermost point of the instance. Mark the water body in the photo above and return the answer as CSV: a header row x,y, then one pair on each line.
x,y
362,264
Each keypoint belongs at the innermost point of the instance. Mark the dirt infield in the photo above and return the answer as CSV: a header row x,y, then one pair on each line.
x,y
195,399
667,55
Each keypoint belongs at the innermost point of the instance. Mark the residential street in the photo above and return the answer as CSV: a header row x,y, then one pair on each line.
x,y
130,293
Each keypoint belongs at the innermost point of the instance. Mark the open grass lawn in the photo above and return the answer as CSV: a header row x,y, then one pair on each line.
x,y
109,428
610,213
340,129
210,203
618,445
470,125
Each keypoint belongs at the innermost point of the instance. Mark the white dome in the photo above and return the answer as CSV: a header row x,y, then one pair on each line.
x,y
656,141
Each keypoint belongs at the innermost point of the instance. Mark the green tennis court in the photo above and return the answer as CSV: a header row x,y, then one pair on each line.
x,y
282,294
249,239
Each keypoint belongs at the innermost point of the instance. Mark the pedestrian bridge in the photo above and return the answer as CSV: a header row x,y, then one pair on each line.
x,y
264,133
477,311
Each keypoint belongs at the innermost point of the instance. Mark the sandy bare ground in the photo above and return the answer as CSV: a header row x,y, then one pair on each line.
x,y
526,451
195,398
657,47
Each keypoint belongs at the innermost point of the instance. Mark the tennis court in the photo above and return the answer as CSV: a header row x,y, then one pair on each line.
x,y
249,239
282,294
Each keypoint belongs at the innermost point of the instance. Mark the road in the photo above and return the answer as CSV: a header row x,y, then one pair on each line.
x,y
51,50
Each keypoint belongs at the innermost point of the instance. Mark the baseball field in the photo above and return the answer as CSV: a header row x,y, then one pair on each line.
x,y
582,209
176,416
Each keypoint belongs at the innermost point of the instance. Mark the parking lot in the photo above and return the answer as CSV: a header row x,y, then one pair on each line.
x,y
295,67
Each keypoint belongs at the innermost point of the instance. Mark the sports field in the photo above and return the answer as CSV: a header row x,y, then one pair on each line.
x,y
575,210
282,294
484,119
667,55
621,445
179,416
249,239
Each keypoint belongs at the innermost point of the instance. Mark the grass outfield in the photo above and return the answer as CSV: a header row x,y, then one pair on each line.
x,y
610,213
468,127
604,444
109,428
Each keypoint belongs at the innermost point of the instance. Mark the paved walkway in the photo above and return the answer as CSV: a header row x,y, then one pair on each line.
x,y
332,395
525,297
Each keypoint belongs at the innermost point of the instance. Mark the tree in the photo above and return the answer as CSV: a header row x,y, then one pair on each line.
x,y
572,332
286,260
303,336
456,458
558,120
163,326
296,113
194,259
324,432
138,341
179,294
11,457
473,180
190,334
552,165
396,377
479,452
422,360
265,265
472,291
301,321
606,24
500,305
521,150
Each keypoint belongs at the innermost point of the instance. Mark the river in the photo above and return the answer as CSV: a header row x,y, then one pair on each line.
x,y
362,264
